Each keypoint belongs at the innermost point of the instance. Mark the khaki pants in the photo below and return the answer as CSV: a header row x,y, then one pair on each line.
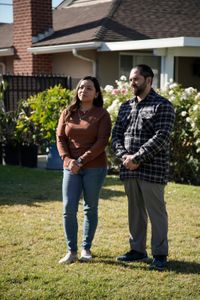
x,y
147,199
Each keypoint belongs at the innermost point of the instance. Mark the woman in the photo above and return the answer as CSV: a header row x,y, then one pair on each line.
x,y
82,134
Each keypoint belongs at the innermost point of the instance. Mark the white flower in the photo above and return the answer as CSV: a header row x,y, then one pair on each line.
x,y
197,142
173,85
184,96
183,113
189,91
188,119
114,107
197,97
123,78
195,107
108,88
173,98
171,92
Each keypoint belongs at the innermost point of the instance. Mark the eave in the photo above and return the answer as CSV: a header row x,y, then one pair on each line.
x,y
151,44
64,48
120,46
6,52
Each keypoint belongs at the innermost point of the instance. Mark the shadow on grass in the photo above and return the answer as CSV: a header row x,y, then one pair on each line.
x,y
179,267
24,196
111,195
184,267
26,186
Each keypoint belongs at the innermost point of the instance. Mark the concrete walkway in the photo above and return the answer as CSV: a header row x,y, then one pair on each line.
x,y
42,161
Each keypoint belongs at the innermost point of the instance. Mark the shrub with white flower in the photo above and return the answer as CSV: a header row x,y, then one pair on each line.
x,y
185,161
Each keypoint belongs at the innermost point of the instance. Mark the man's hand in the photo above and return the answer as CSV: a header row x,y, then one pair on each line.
x,y
128,163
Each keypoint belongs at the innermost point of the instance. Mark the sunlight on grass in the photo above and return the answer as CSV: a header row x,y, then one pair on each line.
x,y
32,242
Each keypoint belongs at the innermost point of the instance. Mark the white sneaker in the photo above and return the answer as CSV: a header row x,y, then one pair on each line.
x,y
86,255
68,258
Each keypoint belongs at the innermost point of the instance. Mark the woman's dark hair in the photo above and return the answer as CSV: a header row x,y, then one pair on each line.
x,y
145,71
76,103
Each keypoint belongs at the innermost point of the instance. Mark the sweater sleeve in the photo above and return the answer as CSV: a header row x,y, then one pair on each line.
x,y
61,138
101,141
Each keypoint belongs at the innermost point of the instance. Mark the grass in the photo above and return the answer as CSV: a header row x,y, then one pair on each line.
x,y
32,242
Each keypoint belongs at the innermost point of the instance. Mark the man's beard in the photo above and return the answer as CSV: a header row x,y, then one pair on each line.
x,y
138,90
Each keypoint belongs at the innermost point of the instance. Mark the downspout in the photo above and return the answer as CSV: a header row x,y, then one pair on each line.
x,y
3,67
75,53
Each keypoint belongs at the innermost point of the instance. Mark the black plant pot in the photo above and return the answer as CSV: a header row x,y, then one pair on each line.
x,y
1,154
12,154
28,156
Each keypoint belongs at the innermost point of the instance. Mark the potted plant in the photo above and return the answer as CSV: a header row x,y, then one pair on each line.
x,y
11,144
45,109
26,136
2,116
1,135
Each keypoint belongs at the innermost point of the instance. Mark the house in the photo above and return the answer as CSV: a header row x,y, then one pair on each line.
x,y
104,38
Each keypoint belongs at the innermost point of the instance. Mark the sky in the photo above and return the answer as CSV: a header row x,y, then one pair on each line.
x,y
6,10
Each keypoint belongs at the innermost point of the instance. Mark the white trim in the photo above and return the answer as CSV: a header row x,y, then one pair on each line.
x,y
6,52
120,46
64,48
151,44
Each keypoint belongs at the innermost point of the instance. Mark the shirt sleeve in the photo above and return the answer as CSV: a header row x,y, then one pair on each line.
x,y
118,132
165,118
101,141
61,138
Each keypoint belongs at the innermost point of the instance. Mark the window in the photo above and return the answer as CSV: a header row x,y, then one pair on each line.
x,y
127,61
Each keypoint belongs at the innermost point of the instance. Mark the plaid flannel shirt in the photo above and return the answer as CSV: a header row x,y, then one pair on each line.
x,y
143,130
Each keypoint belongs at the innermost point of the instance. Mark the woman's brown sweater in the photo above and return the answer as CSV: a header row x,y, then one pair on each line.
x,y
85,135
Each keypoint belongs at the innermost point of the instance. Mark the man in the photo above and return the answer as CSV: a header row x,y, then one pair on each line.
x,y
141,138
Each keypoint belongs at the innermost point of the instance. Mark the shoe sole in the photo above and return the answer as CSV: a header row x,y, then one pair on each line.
x,y
84,259
157,268
68,262
145,260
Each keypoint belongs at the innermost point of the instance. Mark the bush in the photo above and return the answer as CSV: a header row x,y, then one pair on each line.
x,y
185,142
39,115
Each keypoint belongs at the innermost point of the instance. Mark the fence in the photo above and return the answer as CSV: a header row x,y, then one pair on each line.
x,y
22,86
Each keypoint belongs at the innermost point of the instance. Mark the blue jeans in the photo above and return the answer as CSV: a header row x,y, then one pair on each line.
x,y
86,182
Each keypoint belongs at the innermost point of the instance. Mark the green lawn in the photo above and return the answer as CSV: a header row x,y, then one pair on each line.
x,y
32,242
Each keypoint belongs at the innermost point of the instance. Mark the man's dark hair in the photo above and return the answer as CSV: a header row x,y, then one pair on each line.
x,y
145,71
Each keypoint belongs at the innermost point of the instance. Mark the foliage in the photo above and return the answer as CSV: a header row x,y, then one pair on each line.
x,y
26,131
185,142
3,85
39,114
32,242
8,127
185,163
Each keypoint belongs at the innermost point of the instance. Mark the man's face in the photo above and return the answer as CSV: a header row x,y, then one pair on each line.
x,y
137,82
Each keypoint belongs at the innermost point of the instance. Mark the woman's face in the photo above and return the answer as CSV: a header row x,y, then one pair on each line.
x,y
87,91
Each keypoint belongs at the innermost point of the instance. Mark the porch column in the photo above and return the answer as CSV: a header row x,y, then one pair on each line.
x,y
167,65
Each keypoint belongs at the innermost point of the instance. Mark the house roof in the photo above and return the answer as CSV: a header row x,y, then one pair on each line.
x,y
150,19
123,20
78,23
84,21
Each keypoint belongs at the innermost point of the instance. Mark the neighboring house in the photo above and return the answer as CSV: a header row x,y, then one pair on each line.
x,y
104,38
